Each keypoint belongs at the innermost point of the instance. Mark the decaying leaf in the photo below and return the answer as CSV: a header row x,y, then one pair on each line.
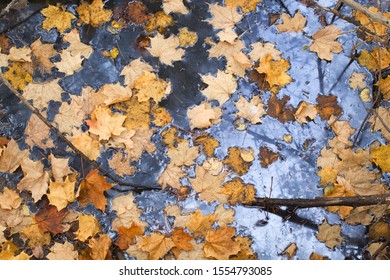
x,y
327,106
238,192
208,143
236,162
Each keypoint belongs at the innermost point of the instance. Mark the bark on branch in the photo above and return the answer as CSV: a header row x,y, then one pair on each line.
x,y
377,17
353,201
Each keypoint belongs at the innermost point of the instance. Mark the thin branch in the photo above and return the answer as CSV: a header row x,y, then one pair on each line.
x,y
353,201
377,17
95,164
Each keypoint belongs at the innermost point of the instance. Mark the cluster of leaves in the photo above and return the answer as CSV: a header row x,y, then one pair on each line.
x,y
123,117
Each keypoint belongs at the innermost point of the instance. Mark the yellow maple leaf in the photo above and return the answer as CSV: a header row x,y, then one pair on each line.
x,y
161,116
381,157
157,245
183,154
220,87
61,194
167,50
236,161
292,24
113,53
105,123
171,176
208,143
18,76
357,80
223,17
208,186
325,42
135,69
149,86
94,13
376,27
246,252
87,145
237,192
159,21
378,57
200,224
275,71
99,247
203,115
88,226
187,38
305,111
220,244
57,17
245,5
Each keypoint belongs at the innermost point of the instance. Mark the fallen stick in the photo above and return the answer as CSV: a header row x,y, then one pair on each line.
x,y
377,17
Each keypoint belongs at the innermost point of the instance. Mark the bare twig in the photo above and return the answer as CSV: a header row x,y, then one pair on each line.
x,y
353,201
377,17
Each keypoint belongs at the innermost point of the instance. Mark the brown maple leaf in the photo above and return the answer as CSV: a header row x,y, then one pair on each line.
x,y
157,245
330,234
293,24
267,157
127,236
327,106
200,224
92,190
50,219
11,157
278,108
325,42
220,244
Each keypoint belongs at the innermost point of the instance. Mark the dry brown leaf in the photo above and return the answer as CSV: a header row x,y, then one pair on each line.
x,y
329,234
291,24
224,216
246,252
68,64
135,69
325,42
208,143
223,17
167,50
327,106
171,176
379,120
251,110
235,161
11,157
94,13
92,190
57,17
290,250
305,112
161,116
127,236
59,167
182,241
35,179
37,133
49,219
342,188
183,154
375,27
245,5
61,194
200,224
174,6
127,212
149,86
42,54
180,218
261,50
61,251
157,245
208,186
9,199
220,244
121,165
87,145
105,123
203,115
99,247
357,80
238,192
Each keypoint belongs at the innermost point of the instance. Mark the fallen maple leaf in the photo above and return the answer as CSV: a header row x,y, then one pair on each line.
x,y
224,216
219,243
305,112
378,125
327,106
42,54
57,17
167,50
135,69
292,24
42,93
290,250
87,145
219,87
200,224
187,38
223,17
377,58
161,116
18,76
76,47
9,199
261,50
157,245
49,219
226,49
238,63
237,192
64,251
251,110
92,188
88,226
182,241
99,247
203,115
171,176
174,6
35,179
357,80
69,63
127,236
330,234
149,86
275,71
126,211
236,162
325,42
59,167
61,194
38,133
159,21
105,123
381,157
375,27
183,154
121,165
142,143
213,166
245,5
69,116
11,157
94,13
